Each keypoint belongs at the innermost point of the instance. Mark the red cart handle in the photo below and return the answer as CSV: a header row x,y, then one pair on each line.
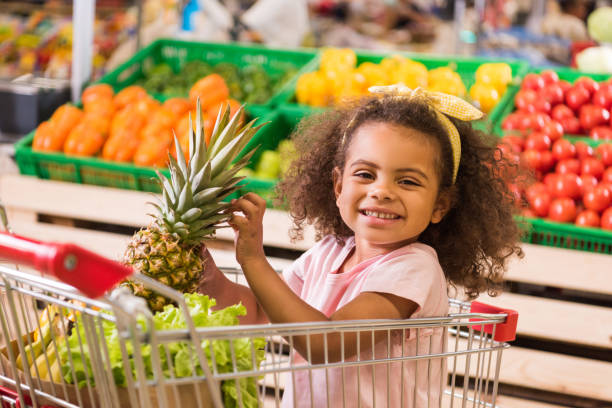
x,y
87,271
505,331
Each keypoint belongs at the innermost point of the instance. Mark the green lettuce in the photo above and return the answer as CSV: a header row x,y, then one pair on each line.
x,y
76,363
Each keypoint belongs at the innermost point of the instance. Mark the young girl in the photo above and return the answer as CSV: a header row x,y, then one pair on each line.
x,y
405,198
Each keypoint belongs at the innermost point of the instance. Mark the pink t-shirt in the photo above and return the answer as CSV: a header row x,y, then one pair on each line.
x,y
412,272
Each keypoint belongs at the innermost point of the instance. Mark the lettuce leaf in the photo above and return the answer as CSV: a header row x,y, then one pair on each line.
x,y
76,363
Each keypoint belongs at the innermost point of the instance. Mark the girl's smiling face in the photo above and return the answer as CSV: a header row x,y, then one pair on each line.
x,y
387,193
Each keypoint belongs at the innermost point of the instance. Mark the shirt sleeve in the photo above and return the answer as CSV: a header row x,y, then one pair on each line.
x,y
414,276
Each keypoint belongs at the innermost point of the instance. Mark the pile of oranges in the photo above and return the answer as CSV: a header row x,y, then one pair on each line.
x,y
131,126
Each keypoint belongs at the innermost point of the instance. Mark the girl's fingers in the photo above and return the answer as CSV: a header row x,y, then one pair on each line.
x,y
251,209
255,199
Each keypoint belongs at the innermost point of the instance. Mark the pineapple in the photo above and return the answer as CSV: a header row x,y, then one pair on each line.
x,y
190,208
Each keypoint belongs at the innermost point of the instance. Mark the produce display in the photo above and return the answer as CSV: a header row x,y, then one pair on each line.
x,y
250,84
581,108
272,164
338,77
59,348
131,126
41,44
190,208
573,182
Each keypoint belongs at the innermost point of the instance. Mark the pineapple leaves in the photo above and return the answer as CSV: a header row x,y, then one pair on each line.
x,y
166,187
220,125
207,195
180,157
202,179
224,176
228,133
191,215
185,200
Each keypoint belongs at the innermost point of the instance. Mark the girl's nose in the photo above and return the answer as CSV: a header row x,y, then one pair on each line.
x,y
380,191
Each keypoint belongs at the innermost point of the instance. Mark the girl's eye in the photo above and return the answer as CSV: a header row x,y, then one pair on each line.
x,y
364,174
409,182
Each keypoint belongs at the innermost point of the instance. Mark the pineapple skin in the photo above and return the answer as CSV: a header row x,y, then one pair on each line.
x,y
162,256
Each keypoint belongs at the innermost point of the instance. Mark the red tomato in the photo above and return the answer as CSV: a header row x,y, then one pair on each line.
x,y
607,175
562,209
515,141
550,179
587,83
525,100
566,86
568,166
567,185
601,133
533,81
538,141
592,166
606,219
570,125
587,218
539,120
604,151
532,159
552,93
576,97
588,182
547,161
563,149
512,121
603,97
540,203
526,212
542,105
583,150
549,76
553,129
535,189
606,185
561,111
593,115
597,199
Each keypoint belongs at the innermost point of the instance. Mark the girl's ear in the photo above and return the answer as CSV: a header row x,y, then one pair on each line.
x,y
337,179
443,205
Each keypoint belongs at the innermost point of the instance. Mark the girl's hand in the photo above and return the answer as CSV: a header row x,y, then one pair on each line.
x,y
248,227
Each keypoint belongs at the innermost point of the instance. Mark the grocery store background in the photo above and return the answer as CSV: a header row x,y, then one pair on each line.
x,y
527,64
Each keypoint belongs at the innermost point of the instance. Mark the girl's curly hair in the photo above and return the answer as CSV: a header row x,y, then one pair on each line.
x,y
476,237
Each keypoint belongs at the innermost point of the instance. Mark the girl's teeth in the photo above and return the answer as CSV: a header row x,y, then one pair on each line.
x,y
379,215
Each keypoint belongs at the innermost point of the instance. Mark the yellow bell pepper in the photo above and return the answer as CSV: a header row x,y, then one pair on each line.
x,y
497,74
486,95
311,89
374,74
337,59
411,73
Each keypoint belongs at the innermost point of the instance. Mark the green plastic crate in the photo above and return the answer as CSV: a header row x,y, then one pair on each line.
x,y
280,125
88,170
565,74
464,66
556,234
177,52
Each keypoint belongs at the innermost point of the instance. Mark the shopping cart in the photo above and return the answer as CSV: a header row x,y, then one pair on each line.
x,y
71,310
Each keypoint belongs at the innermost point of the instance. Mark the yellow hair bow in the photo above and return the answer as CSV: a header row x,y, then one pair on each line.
x,y
444,104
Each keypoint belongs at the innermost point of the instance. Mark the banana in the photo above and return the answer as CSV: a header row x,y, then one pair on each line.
x,y
34,349
40,366
56,371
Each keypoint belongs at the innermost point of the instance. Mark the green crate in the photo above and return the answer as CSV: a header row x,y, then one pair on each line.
x,y
89,170
280,125
556,234
177,52
565,74
464,66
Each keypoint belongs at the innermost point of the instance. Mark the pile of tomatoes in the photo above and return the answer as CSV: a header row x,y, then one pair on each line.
x,y
580,108
572,184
